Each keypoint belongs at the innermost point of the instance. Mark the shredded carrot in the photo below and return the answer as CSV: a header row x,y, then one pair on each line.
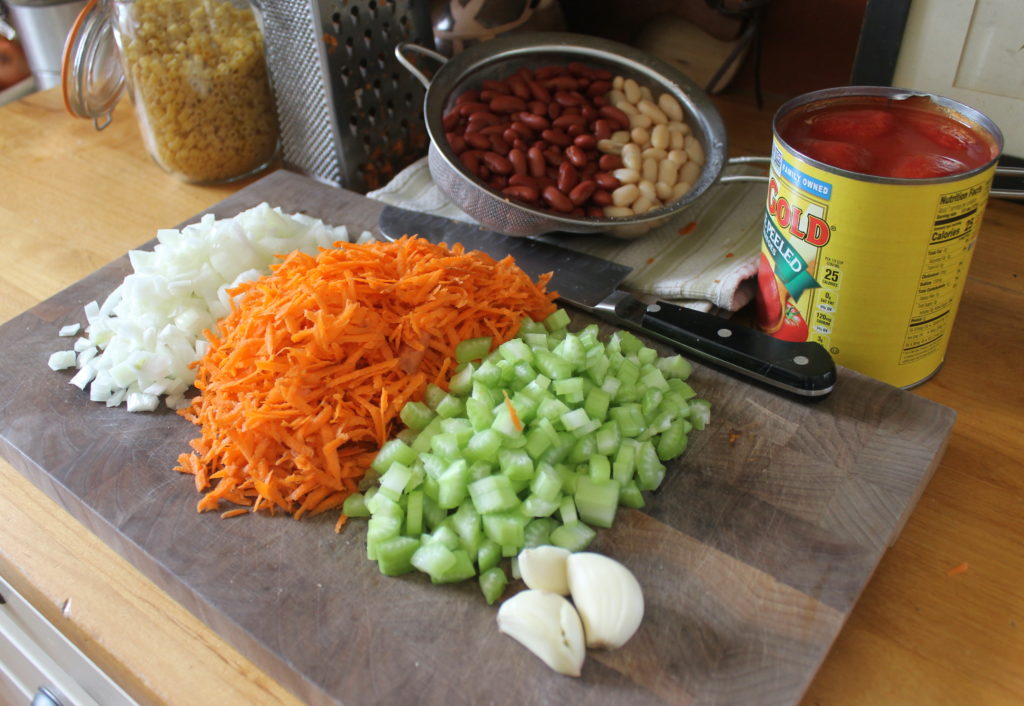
x,y
960,568
313,364
234,513
516,422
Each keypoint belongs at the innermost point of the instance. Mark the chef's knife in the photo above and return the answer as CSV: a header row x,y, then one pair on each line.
x,y
592,284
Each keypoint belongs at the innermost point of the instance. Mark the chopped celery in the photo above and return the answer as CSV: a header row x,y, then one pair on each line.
x,y
472,349
492,584
535,442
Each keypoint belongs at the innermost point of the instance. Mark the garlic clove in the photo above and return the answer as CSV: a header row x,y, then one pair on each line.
x,y
608,598
543,568
547,625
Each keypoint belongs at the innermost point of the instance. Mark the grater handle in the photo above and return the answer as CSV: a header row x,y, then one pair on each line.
x,y
403,47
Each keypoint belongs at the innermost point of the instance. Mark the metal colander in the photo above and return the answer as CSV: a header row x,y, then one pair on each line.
x,y
348,111
498,59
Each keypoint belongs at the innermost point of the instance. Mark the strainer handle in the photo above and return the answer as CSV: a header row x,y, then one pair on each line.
x,y
403,47
735,161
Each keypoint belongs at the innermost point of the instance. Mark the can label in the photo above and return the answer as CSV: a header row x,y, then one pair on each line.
x,y
872,270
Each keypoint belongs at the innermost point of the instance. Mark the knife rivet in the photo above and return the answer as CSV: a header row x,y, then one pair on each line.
x,y
653,308
724,333
801,359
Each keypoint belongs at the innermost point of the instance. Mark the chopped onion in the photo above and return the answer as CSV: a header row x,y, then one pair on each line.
x,y
139,345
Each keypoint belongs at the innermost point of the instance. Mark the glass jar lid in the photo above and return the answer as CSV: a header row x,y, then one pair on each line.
x,y
91,71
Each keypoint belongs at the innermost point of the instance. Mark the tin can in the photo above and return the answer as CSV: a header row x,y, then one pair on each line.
x,y
871,266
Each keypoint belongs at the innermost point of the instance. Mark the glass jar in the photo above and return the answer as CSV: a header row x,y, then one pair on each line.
x,y
195,72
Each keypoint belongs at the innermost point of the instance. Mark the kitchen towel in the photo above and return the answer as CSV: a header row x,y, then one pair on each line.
x,y
705,257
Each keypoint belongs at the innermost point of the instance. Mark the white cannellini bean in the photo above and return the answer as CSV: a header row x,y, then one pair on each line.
x,y
676,140
618,211
668,173
647,190
680,189
694,149
632,90
640,136
663,191
655,113
654,153
615,95
609,147
617,83
675,126
660,136
670,106
626,107
620,136
650,170
626,176
643,121
679,157
642,205
645,93
631,158
625,195
689,172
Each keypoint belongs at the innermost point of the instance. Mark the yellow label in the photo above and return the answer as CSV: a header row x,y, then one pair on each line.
x,y
872,271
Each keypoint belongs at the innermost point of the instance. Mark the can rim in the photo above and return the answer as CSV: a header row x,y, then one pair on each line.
x,y
972,115
92,78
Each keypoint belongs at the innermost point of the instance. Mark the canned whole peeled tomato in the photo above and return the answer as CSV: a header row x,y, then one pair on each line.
x,y
875,199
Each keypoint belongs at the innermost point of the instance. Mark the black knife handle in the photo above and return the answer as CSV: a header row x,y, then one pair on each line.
x,y
804,367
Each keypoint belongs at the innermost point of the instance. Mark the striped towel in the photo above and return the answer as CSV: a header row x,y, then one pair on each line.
x,y
704,258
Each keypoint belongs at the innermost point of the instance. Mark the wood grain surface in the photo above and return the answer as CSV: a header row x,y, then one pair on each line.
x,y
73,199
751,555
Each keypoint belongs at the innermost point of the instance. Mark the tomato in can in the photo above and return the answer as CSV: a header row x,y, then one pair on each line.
x,y
875,200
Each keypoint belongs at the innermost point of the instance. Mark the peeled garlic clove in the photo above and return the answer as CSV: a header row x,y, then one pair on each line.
x,y
608,598
543,568
547,625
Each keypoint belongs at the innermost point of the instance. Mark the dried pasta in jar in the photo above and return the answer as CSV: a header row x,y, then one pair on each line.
x,y
197,75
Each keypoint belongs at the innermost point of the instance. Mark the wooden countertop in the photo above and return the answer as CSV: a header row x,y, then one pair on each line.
x,y
74,199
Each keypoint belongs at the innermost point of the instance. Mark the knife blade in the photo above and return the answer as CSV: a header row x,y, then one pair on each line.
x,y
591,283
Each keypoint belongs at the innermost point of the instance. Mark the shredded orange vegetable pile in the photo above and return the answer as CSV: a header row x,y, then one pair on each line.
x,y
312,367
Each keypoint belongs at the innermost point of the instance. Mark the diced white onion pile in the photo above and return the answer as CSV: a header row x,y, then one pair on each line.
x,y
140,342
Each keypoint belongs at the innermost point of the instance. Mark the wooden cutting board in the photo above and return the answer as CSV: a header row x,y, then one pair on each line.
x,y
751,555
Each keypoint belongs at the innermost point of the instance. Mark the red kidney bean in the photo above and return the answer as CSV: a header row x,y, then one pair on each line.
x,y
599,88
537,161
546,72
492,85
478,141
576,155
525,73
518,86
589,169
523,193
483,117
520,163
579,68
568,98
457,142
497,163
595,212
613,113
451,119
557,137
538,107
603,128
499,145
554,110
507,104
575,130
561,83
470,160
582,192
483,172
567,119
470,96
533,121
498,182
598,101
585,141
470,108
490,130
520,143
557,200
568,177
539,92
523,129
523,180
510,135
601,198
606,181
608,162
553,157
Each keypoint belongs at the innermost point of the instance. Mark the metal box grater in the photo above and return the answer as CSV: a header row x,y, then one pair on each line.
x,y
350,114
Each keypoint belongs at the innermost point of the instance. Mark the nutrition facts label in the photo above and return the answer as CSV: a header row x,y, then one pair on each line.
x,y
942,272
